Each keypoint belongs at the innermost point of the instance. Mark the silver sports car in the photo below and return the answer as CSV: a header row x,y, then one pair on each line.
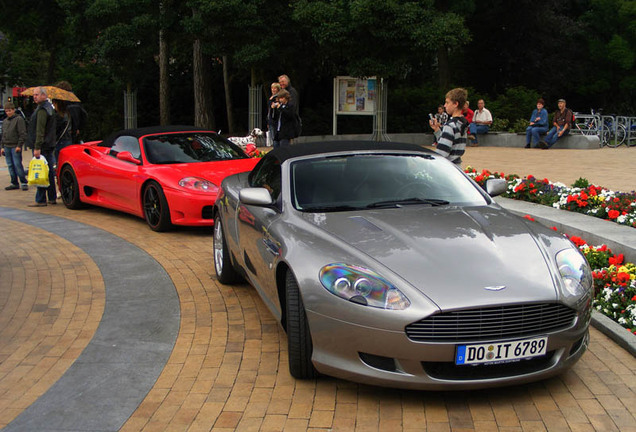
x,y
386,265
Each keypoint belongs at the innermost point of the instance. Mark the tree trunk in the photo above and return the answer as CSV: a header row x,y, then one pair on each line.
x,y
443,68
164,82
228,97
202,101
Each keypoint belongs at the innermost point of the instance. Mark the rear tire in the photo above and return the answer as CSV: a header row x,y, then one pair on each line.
x,y
299,345
69,189
225,272
156,209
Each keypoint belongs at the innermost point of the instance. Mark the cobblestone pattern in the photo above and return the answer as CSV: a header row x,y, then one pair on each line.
x,y
50,307
228,370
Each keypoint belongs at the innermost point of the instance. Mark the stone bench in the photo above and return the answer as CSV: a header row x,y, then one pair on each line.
x,y
491,139
571,141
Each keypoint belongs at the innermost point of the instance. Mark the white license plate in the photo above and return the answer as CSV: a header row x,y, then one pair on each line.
x,y
501,352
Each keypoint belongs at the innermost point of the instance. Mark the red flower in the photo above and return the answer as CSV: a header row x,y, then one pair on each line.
x,y
623,278
584,196
616,259
555,228
530,218
577,241
613,214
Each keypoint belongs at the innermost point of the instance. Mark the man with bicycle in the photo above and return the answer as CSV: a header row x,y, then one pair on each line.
x,y
562,124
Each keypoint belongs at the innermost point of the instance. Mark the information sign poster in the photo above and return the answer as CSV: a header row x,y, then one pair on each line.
x,y
355,95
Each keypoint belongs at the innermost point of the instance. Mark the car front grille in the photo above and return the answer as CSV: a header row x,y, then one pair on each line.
x,y
492,323
450,371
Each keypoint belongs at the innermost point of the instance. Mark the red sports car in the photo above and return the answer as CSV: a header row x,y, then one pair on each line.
x,y
166,175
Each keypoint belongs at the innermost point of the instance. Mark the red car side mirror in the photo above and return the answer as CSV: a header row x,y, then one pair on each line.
x,y
128,157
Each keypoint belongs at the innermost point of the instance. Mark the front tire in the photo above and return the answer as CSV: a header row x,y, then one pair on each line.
x,y
299,345
156,208
69,189
225,272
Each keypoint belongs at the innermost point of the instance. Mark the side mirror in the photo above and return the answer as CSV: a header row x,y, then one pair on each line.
x,y
496,187
255,196
128,157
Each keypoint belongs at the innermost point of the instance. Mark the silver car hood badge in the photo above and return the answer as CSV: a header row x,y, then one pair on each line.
x,y
495,288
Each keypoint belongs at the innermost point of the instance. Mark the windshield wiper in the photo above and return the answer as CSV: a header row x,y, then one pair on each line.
x,y
408,201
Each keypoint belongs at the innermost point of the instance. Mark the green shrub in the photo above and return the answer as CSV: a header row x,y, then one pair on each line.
x,y
520,125
499,124
581,183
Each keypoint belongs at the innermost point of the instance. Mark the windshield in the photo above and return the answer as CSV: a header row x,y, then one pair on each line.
x,y
189,148
378,181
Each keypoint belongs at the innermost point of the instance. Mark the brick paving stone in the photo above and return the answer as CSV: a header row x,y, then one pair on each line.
x,y
228,369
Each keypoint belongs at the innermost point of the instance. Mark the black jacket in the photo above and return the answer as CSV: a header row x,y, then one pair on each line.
x,y
288,123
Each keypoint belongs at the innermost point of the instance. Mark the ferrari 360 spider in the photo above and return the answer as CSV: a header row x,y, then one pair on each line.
x,y
166,175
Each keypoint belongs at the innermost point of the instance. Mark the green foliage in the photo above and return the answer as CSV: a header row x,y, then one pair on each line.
x,y
499,124
520,125
581,183
514,104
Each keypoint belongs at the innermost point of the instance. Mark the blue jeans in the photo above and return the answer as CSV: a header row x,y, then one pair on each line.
x,y
42,192
59,146
14,165
553,135
534,133
476,129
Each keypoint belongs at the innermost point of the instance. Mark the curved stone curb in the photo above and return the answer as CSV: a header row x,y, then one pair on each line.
x,y
131,346
614,331
595,231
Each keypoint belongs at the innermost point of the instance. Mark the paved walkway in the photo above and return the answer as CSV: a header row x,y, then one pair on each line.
x,y
222,364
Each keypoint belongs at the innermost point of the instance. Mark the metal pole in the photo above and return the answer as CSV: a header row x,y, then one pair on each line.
x,y
379,119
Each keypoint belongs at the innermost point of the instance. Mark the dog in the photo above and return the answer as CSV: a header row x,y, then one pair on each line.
x,y
249,139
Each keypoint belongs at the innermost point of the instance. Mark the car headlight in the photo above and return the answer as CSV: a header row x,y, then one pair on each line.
x,y
575,275
362,286
198,184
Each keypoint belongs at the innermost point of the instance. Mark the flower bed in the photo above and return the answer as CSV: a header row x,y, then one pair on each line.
x,y
614,279
581,197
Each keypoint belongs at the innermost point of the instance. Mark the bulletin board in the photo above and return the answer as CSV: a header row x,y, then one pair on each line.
x,y
354,96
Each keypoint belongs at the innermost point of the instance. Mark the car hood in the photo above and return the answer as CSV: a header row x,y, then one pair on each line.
x,y
457,257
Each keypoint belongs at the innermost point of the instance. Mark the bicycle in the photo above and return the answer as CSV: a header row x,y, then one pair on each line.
x,y
610,132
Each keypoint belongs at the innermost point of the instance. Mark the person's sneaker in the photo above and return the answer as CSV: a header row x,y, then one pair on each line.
x,y
25,187
52,202
542,145
12,187
527,146
471,136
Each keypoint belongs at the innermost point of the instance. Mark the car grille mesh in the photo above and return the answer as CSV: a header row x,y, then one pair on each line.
x,y
492,323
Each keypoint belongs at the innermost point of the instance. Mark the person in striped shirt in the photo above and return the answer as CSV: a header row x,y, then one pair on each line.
x,y
450,138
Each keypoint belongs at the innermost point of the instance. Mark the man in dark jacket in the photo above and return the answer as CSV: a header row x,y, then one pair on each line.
x,y
42,138
11,145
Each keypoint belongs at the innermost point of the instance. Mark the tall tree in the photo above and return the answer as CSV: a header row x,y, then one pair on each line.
x,y
228,30
388,38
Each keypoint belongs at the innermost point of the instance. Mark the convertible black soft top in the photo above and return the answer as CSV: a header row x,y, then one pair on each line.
x,y
152,130
313,148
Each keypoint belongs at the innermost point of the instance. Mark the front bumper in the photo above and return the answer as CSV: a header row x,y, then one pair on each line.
x,y
389,358
191,209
